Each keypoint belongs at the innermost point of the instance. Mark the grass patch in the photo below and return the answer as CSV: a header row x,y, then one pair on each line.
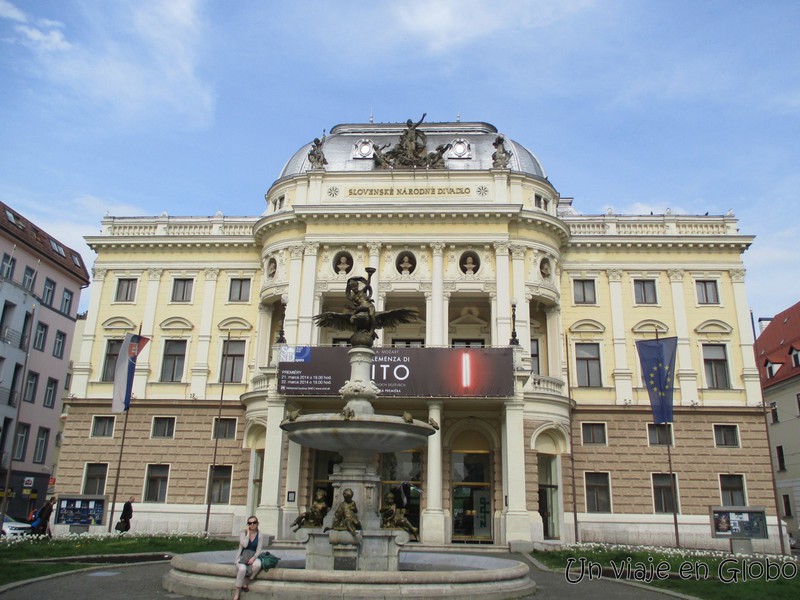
x,y
704,574
15,551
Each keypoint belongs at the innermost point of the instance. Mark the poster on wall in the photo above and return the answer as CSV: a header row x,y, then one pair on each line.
x,y
736,522
81,510
410,372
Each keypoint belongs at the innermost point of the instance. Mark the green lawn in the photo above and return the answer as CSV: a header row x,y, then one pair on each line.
x,y
16,552
707,575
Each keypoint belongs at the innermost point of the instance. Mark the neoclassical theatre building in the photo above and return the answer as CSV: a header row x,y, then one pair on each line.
x,y
523,352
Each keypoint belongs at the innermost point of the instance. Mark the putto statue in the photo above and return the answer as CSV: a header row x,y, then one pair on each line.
x,y
313,517
346,516
362,319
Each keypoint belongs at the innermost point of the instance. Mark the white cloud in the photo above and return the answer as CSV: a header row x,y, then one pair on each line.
x,y
48,41
9,11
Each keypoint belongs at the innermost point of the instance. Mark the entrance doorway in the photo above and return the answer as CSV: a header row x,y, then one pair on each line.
x,y
471,477
549,508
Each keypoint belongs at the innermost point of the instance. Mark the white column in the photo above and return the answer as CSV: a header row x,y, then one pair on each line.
x,y
518,523
290,323
83,368
308,288
621,374
379,298
503,281
142,370
752,385
293,477
685,374
433,519
445,318
523,317
200,369
437,293
555,346
269,511
263,335
428,319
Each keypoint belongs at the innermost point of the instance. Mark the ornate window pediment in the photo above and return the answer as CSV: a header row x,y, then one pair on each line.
x,y
650,326
175,323
235,324
118,323
713,327
587,326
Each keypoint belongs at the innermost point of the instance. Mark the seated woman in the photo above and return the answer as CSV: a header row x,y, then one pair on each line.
x,y
250,543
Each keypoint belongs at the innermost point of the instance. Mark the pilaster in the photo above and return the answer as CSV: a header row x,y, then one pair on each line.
x,y
433,518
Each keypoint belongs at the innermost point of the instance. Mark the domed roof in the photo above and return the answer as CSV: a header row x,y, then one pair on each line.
x,y
351,147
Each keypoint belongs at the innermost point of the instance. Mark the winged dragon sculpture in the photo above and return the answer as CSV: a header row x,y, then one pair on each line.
x,y
361,317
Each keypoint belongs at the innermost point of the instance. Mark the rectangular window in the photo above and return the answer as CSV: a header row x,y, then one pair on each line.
x,y
7,269
182,290
716,366
535,367
94,482
598,492
726,435
49,292
58,345
662,493
110,362
21,441
40,338
66,302
29,279
57,247
795,357
225,428
645,291
220,482
239,291
156,483
407,343
31,383
732,490
232,361
587,362
584,291
773,412
126,290
787,506
174,356
50,392
659,434
468,343
707,292
102,426
781,458
163,427
40,452
593,433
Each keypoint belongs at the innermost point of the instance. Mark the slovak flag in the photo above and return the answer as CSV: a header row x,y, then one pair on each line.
x,y
132,346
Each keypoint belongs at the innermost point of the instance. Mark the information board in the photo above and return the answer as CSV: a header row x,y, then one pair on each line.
x,y
81,510
739,522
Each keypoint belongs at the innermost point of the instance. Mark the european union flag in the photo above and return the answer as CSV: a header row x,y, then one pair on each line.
x,y
657,358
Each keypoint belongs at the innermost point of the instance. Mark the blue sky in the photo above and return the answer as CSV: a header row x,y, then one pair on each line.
x,y
190,107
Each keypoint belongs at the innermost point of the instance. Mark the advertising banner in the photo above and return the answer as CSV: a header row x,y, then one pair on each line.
x,y
410,372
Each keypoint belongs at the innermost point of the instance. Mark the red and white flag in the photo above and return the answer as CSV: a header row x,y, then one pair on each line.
x,y
132,346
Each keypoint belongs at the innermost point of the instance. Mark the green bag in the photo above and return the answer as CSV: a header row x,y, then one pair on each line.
x,y
268,561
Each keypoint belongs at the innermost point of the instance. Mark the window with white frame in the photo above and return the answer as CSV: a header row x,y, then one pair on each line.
x,y
29,279
102,426
662,493
173,362
7,268
182,290
31,384
57,247
49,292
126,290
731,489
94,481
66,302
644,291
156,481
224,428
50,393
40,451
707,292
587,363
21,441
535,365
583,291
726,436
40,337
593,433
659,434
220,482
598,492
239,290
59,344
110,361
715,362
163,427
232,361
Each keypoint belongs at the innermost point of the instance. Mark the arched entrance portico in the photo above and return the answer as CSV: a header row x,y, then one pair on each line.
x,y
550,442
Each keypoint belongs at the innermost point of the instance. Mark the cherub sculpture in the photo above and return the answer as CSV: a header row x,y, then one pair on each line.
x,y
393,517
314,516
346,516
361,318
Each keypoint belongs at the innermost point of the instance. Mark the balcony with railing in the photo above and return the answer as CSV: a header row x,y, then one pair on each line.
x,y
11,336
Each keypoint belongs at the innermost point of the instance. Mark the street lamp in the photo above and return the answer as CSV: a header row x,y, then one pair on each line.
x,y
513,341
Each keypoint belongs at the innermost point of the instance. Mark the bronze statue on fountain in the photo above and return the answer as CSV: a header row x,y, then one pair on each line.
x,y
361,317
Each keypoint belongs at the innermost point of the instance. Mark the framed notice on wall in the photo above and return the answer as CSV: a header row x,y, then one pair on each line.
x,y
81,510
739,522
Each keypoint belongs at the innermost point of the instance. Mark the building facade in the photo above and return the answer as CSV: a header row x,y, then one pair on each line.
x,y
40,286
778,359
463,225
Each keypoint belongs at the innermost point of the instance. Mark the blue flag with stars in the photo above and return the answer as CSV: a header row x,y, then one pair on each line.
x,y
657,358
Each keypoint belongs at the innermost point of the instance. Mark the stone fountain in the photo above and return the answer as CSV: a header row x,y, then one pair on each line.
x,y
349,554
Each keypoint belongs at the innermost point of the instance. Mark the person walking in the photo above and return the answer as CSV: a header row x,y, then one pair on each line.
x,y
250,543
43,516
127,515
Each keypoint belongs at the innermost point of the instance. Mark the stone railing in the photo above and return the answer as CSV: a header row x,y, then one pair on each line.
x,y
539,384
652,225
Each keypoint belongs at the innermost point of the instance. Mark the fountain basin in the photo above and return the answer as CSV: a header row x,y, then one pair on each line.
x,y
375,433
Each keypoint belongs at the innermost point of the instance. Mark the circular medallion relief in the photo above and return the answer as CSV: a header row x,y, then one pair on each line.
x,y
405,263
342,263
469,262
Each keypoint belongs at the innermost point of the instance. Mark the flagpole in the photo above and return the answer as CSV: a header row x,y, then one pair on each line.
x,y
670,435
216,431
571,444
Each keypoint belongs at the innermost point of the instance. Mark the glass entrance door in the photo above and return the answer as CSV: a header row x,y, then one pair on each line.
x,y
548,496
472,496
